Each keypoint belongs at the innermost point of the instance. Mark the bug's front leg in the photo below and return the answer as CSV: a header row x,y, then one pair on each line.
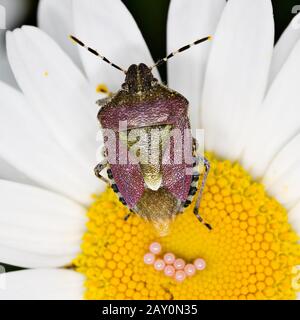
x,y
99,167
102,102
206,165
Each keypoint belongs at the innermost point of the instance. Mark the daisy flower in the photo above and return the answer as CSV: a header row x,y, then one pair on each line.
x,y
242,91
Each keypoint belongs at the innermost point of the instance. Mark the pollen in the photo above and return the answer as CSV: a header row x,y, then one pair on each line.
x,y
251,253
102,88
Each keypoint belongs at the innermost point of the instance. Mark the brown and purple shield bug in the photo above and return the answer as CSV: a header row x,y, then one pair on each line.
x,y
159,189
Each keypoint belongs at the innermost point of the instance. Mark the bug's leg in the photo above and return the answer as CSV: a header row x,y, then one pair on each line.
x,y
195,178
103,89
206,165
103,101
99,167
129,214
115,188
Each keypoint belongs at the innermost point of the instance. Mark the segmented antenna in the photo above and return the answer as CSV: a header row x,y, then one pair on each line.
x,y
172,54
96,53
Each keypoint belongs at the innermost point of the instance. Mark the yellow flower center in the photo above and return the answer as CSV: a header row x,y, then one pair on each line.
x,y
251,253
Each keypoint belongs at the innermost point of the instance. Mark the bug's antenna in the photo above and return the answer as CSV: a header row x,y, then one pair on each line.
x,y
172,54
96,53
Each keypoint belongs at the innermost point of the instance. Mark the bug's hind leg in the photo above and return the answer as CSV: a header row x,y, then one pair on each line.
x,y
114,187
206,165
129,214
98,169
101,166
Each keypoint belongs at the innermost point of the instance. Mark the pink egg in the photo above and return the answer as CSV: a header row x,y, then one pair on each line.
x,y
190,269
149,258
179,264
155,247
169,271
180,275
169,258
200,264
159,264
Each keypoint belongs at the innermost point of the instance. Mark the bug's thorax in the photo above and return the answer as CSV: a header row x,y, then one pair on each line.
x,y
139,79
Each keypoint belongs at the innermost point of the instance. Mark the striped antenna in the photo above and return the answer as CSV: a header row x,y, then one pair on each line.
x,y
172,54
96,53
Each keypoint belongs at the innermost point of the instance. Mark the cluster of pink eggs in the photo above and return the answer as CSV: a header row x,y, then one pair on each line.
x,y
170,265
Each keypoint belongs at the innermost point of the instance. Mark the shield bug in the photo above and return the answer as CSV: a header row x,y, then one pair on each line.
x,y
159,188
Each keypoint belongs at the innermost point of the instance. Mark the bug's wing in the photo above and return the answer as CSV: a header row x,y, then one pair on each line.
x,y
177,181
128,177
177,174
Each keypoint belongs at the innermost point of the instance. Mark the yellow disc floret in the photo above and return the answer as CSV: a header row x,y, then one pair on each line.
x,y
251,253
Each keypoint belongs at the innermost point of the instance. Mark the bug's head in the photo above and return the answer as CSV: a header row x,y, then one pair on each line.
x,y
139,78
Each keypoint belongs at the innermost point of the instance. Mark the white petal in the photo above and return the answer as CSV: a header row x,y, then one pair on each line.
x,y
41,225
8,172
282,178
237,74
187,22
15,256
278,119
44,284
6,74
26,144
56,89
294,218
56,18
108,27
284,47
